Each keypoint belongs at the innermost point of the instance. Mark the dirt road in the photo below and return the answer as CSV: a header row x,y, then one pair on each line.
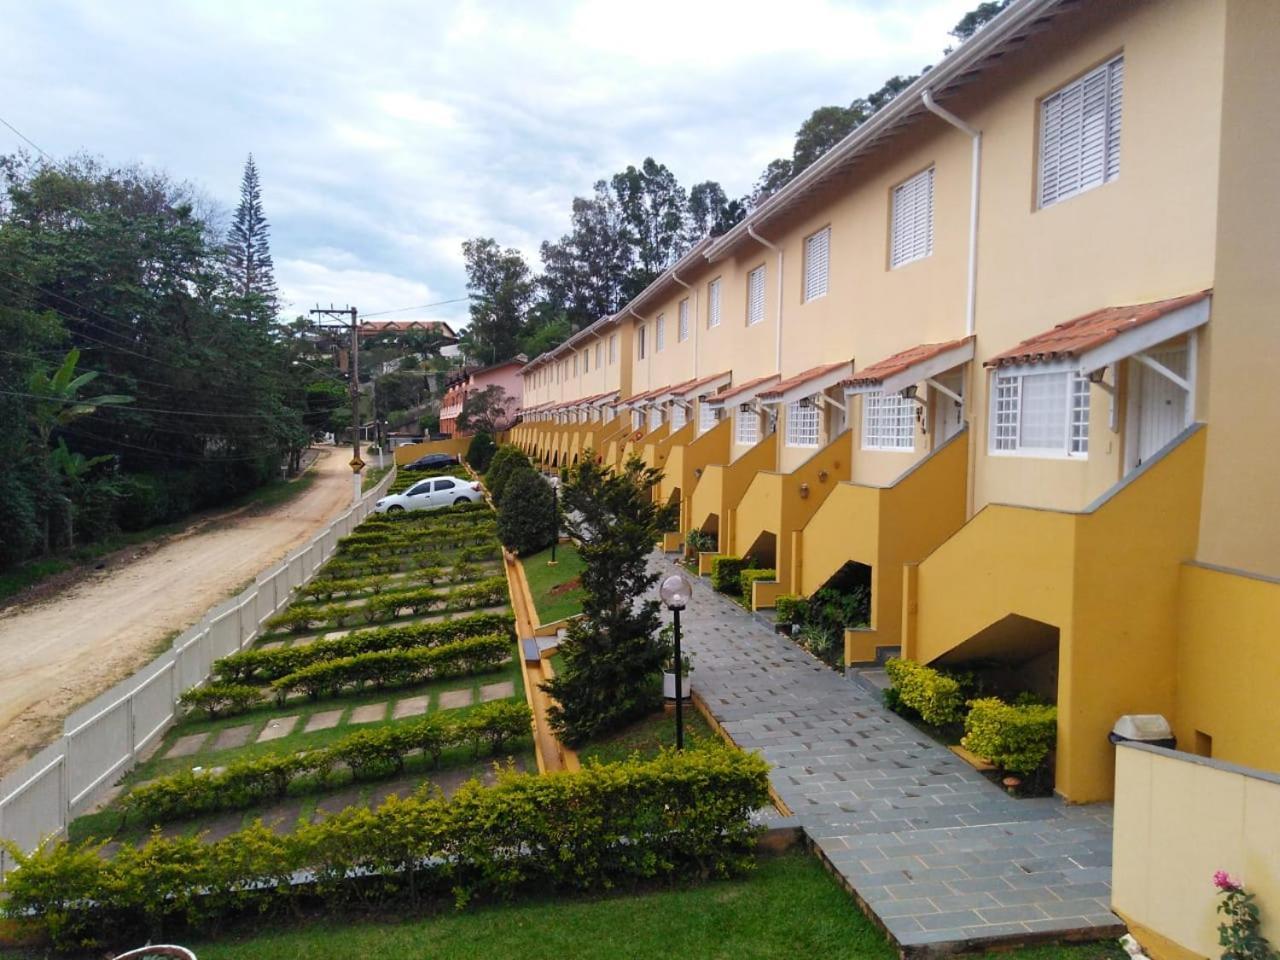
x,y
60,653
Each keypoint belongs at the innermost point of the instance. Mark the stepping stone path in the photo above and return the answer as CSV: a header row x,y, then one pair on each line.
x,y
369,713
280,727
497,691
272,645
452,699
410,707
233,737
324,720
186,746
939,855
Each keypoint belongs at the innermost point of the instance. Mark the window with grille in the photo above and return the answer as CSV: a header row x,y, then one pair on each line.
x,y
802,424
613,348
598,348
888,422
911,236
655,418
660,333
678,417
637,419
707,416
746,424
755,295
586,361
817,260
1080,134
640,338
1040,414
682,321
713,303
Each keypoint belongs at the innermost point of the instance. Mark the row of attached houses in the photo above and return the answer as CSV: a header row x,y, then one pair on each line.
x,y
1013,346
469,381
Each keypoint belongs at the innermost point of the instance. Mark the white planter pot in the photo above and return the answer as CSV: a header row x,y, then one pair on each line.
x,y
669,686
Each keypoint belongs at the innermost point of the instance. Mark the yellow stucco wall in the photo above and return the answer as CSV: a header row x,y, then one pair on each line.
x,y
722,487
412,451
1228,665
1177,821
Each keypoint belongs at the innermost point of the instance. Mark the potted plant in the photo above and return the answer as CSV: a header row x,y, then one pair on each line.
x,y
669,677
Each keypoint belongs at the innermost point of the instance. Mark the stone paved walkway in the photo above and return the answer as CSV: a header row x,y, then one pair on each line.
x,y
938,855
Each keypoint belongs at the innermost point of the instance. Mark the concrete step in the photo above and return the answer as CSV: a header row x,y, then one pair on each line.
x,y
872,678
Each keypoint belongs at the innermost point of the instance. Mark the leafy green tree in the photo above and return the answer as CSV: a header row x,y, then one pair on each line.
x,y
613,654
506,463
501,287
652,204
485,411
710,212
977,18
480,451
527,515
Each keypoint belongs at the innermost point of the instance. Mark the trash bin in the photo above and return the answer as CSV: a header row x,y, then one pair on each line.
x,y
1149,728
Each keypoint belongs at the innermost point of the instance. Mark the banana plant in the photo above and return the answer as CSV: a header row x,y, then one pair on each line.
x,y
57,399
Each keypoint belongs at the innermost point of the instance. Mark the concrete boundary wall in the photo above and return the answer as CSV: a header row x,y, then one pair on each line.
x,y
102,740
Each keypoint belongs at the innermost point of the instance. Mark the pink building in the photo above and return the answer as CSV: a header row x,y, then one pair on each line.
x,y
505,375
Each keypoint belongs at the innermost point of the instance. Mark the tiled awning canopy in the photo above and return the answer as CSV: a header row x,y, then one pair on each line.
x,y
806,384
1104,336
910,366
743,392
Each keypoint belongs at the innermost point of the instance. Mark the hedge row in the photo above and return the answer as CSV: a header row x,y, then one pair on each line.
x,y
225,699
936,696
677,817
476,533
327,588
263,666
790,609
395,668
304,617
725,573
1016,738
430,557
368,754
747,577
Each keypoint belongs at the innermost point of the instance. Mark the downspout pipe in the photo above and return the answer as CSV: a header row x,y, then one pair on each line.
x,y
975,136
692,320
751,231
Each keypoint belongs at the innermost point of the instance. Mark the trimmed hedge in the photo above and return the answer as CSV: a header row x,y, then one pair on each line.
x,y
304,617
937,697
365,566
726,571
747,577
477,533
369,754
680,816
1016,738
395,668
790,608
263,666
226,699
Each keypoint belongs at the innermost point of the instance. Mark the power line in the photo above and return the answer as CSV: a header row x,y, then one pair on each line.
x,y
137,409
421,306
27,139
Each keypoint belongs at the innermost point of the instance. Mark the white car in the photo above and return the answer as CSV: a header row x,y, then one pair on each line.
x,y
431,494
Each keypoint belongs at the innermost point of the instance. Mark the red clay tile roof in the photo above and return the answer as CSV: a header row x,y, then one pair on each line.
x,y
881,371
1076,336
743,388
648,394
690,386
800,379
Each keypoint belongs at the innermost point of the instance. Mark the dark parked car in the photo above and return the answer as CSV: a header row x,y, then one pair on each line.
x,y
433,461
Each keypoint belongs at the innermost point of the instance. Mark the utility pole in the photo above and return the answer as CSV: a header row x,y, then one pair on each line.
x,y
357,464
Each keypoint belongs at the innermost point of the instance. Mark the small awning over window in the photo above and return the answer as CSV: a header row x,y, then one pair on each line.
x,y
642,400
743,392
806,384
1106,336
910,366
691,389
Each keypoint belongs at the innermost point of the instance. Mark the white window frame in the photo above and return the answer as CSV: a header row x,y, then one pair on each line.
x,y
682,321
1007,410
713,303
637,419
804,424
660,333
1079,146
911,220
640,342
586,361
817,264
655,417
746,427
755,296
613,349
679,417
888,422
707,416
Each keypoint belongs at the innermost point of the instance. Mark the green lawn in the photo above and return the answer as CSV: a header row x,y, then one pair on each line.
x,y
788,907
372,476
546,582
648,735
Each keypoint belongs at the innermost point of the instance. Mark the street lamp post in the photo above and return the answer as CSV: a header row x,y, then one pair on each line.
x,y
555,513
676,591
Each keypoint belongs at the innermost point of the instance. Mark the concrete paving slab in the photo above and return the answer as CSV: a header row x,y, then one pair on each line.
x,y
323,720
277,728
233,737
369,713
186,746
452,699
410,707
497,691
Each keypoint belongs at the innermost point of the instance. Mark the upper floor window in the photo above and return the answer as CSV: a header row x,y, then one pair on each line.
x,y
1080,134
575,364
802,424
707,416
1040,414
713,303
598,364
586,361
911,233
613,348
755,295
655,417
817,259
746,427
888,422
640,338
682,321
660,333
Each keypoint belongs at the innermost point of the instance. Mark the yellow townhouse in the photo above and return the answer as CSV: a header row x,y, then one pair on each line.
x,y
1010,351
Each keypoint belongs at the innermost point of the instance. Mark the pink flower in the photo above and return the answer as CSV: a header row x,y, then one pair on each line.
x,y
1223,881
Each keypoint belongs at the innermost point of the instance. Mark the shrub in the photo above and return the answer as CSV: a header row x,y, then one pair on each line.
x,y
679,816
748,577
527,519
506,462
480,452
1014,738
934,695
790,608
696,542
227,699
726,572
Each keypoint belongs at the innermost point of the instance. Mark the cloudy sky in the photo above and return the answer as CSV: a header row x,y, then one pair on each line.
x,y
388,132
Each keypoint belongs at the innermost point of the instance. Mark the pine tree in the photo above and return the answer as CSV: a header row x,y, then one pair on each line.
x,y
250,272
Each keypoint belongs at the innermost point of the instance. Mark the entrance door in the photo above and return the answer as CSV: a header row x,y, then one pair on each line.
x,y
948,416
1162,405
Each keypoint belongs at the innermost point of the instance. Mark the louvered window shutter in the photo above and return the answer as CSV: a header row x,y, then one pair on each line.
x,y
912,226
1080,134
817,257
755,296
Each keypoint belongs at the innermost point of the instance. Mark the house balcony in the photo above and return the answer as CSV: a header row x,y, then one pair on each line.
x,y
775,508
1077,606
882,528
